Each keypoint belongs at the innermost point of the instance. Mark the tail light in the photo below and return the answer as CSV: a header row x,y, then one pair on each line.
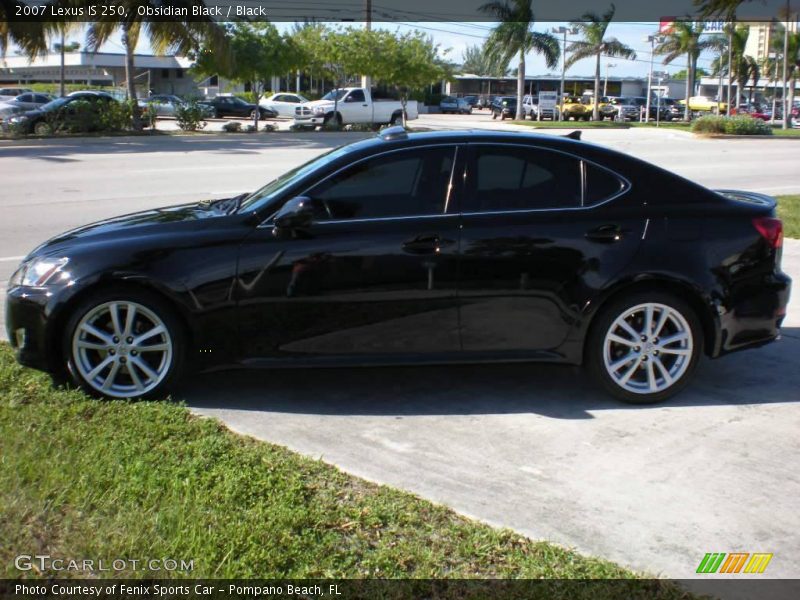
x,y
771,229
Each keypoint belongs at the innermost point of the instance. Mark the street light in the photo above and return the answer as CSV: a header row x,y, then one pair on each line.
x,y
605,83
660,77
653,39
563,30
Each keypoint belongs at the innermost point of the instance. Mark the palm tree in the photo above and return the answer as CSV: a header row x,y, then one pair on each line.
x,y
595,43
165,37
743,67
63,28
29,36
514,35
684,38
477,61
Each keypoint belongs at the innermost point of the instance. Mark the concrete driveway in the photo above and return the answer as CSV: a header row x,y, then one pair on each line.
x,y
540,450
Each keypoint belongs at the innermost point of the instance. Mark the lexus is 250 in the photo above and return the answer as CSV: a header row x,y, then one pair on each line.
x,y
438,247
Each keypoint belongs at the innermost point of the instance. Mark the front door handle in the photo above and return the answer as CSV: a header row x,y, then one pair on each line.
x,y
426,243
605,234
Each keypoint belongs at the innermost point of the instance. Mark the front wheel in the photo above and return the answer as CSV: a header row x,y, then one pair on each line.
x,y
124,344
644,348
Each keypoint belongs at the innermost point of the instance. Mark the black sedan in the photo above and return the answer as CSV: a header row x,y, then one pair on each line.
x,y
233,106
47,117
415,248
504,107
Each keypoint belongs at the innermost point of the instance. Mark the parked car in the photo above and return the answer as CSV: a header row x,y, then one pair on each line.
x,y
22,103
546,249
504,107
233,106
531,108
451,104
605,108
572,107
471,100
485,101
165,105
353,105
40,120
9,93
626,108
674,108
283,103
705,104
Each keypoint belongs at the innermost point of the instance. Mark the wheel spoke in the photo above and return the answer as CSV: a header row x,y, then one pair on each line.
x,y
621,340
628,329
113,310
153,348
130,315
664,373
112,375
661,321
144,368
158,329
648,320
678,351
616,366
91,345
651,376
99,368
629,373
100,335
137,381
677,337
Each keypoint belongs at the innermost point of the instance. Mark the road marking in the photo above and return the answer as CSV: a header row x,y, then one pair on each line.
x,y
10,258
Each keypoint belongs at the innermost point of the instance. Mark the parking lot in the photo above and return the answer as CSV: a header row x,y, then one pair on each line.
x,y
534,448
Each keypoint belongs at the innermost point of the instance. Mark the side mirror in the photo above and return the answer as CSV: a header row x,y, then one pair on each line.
x,y
297,213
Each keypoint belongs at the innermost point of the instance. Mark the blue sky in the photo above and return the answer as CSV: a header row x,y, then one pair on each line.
x,y
455,37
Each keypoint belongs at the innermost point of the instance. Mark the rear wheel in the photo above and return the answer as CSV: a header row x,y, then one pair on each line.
x,y
644,348
124,344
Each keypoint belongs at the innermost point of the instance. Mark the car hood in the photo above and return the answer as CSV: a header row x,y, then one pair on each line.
x,y
170,220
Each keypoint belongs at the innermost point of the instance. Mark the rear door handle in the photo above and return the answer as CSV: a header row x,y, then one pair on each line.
x,y
426,243
606,234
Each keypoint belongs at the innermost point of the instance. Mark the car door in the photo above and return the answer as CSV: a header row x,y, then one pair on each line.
x,y
541,231
355,108
374,275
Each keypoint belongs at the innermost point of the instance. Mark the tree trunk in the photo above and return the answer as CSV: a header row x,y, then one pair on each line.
x,y
687,111
792,85
596,107
61,90
520,84
129,79
257,114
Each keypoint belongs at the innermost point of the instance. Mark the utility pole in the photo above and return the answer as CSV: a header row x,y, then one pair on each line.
x,y
605,82
652,39
563,30
787,110
730,69
366,80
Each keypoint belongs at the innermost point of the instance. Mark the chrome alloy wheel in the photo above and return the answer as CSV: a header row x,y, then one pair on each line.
x,y
122,349
648,348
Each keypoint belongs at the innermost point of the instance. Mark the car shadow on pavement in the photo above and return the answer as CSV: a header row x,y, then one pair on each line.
x,y
761,376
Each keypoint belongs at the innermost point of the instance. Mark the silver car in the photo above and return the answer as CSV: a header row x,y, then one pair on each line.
x,y
22,103
165,105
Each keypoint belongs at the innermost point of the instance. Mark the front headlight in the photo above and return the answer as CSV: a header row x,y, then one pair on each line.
x,y
319,110
39,272
18,119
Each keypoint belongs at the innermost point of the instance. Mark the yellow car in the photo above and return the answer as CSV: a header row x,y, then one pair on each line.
x,y
605,108
573,108
705,104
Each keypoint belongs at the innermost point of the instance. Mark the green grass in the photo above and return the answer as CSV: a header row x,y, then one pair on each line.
x,y
82,478
792,133
789,212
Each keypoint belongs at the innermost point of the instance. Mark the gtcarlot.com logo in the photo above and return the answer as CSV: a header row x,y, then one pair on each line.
x,y
42,563
734,562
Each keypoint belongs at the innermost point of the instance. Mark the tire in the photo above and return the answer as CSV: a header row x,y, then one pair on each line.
x,y
611,360
42,128
395,118
494,115
337,119
146,369
217,114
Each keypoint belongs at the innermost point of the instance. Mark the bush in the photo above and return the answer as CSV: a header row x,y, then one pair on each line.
x,y
739,125
250,129
269,127
190,116
232,127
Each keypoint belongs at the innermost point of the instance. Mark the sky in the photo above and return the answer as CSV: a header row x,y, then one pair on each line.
x,y
454,38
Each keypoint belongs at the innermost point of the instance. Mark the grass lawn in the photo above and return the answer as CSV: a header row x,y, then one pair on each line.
x,y
789,212
82,478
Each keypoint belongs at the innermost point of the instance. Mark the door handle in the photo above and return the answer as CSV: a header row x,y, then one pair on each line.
x,y
426,243
365,105
606,234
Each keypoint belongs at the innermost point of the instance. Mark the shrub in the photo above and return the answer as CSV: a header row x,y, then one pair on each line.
x,y
232,127
250,129
739,125
190,116
269,127
116,116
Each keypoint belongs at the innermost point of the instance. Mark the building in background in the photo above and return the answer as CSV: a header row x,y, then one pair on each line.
x,y
761,36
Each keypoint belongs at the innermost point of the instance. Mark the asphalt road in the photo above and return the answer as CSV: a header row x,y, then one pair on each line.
x,y
530,447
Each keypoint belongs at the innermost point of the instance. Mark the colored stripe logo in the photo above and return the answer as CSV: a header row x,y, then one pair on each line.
x,y
734,562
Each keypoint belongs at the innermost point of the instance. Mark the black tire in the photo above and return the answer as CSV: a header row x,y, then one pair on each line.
x,y
217,114
336,119
173,368
595,346
494,115
395,118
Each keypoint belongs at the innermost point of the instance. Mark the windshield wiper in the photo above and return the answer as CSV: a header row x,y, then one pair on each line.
x,y
226,206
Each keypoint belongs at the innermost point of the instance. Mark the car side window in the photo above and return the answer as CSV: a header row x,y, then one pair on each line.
x,y
356,96
600,185
405,183
514,178
25,98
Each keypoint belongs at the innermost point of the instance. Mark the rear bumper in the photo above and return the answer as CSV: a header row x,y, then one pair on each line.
x,y
755,315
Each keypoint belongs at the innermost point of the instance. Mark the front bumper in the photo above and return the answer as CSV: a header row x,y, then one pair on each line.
x,y
309,121
29,325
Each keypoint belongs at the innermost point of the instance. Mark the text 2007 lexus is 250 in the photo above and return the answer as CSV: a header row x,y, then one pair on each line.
x,y
415,248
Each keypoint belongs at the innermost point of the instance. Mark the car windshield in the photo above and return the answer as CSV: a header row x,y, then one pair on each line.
x,y
276,186
334,95
53,104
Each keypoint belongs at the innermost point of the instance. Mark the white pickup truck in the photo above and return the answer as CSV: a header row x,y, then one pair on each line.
x,y
352,105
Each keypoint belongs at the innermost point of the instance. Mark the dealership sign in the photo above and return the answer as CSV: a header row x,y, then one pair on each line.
x,y
708,25
548,100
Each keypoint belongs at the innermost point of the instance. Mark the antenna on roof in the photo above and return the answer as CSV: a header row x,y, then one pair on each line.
x,y
574,135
